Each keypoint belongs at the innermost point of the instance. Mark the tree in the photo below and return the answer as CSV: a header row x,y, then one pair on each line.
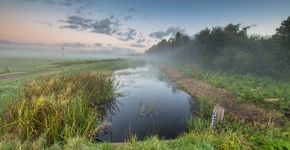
x,y
283,33
283,36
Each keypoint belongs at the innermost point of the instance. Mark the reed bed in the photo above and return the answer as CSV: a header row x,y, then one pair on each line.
x,y
60,107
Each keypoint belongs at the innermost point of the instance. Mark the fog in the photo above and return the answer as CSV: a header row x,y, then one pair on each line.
x,y
65,53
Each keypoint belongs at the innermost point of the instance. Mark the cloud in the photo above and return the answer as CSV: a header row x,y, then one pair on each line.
x,y
45,23
127,18
132,10
77,22
2,41
137,45
98,45
108,26
84,6
170,31
74,45
46,1
141,40
64,2
127,35
73,2
105,26
15,43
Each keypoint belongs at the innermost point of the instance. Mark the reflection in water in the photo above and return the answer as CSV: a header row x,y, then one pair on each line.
x,y
150,105
146,110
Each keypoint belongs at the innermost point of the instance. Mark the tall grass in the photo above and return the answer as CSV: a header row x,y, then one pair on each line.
x,y
60,107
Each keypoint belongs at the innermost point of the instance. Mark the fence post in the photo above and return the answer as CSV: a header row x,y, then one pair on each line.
x,y
217,116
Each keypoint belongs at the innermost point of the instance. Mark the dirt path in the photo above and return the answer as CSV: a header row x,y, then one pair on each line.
x,y
248,113
20,75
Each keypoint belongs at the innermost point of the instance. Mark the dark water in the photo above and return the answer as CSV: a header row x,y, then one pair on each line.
x,y
150,106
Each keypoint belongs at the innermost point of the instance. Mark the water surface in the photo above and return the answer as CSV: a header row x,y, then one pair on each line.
x,y
151,105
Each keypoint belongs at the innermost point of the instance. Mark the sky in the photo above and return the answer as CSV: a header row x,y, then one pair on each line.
x,y
127,25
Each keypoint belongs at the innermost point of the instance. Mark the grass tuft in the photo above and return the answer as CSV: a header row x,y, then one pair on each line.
x,y
60,107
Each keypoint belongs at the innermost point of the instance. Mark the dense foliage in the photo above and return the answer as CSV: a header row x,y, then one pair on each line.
x,y
231,49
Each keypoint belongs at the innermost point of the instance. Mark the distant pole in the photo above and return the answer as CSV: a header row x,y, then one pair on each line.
x,y
7,70
62,52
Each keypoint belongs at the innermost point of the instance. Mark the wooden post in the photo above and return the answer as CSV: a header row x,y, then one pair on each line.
x,y
7,70
217,116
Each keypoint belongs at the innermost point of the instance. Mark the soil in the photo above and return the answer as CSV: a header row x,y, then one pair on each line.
x,y
242,112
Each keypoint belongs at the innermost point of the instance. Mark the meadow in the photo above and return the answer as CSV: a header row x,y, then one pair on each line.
x,y
61,108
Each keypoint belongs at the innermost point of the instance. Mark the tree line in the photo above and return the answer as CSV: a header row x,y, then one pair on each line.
x,y
230,49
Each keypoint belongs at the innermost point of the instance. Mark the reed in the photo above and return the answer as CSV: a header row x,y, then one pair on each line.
x,y
60,107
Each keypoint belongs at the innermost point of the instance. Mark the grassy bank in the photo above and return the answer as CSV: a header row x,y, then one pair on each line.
x,y
10,88
270,93
59,107
43,110
232,134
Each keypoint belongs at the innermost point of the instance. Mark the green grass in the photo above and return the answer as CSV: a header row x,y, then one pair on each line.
x,y
26,64
246,88
55,108
60,107
9,89
49,113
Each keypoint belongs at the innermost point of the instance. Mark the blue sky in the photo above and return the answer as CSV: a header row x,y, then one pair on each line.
x,y
129,24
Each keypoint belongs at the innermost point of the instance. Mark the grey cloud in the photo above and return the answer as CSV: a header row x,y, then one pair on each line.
x,y
108,26
141,40
8,42
73,2
77,22
46,1
75,45
170,31
14,43
5,41
45,23
138,45
127,35
105,26
63,2
146,16
132,9
84,6
128,18
98,44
